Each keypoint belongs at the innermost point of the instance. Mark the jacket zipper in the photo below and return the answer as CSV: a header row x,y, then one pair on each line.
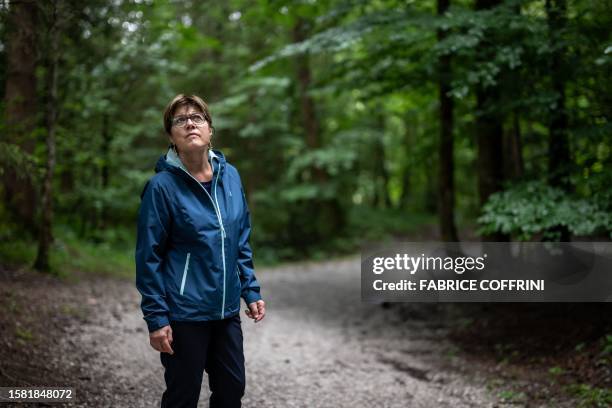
x,y
222,241
218,213
185,272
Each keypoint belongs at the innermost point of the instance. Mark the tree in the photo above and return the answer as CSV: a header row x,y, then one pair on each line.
x,y
21,108
489,128
446,186
55,16
559,151
558,145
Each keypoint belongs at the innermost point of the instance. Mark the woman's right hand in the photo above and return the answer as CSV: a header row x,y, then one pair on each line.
x,y
161,339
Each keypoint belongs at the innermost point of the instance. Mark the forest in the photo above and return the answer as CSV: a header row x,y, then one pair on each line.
x,y
350,122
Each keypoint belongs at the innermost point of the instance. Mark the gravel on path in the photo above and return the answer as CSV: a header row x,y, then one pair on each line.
x,y
319,346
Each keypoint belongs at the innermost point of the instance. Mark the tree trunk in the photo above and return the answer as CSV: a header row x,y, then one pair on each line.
x,y
489,133
513,160
329,217
559,159
46,231
381,175
430,192
406,184
107,139
21,106
307,109
559,150
512,144
446,185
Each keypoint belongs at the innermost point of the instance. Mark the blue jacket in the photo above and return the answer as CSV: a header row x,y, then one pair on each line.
x,y
193,258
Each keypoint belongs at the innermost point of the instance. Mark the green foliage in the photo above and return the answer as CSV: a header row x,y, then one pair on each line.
x,y
607,345
23,334
556,371
589,396
374,225
373,85
512,396
12,157
16,253
532,208
72,256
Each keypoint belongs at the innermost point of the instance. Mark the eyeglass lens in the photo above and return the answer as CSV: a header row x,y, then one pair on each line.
x,y
196,118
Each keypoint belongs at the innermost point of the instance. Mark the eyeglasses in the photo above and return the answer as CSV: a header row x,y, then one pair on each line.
x,y
196,118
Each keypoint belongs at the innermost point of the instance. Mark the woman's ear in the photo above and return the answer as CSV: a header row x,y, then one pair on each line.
x,y
172,145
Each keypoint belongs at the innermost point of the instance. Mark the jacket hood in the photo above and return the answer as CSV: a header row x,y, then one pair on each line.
x,y
171,161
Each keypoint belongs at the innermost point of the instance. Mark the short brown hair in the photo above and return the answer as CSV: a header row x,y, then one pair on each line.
x,y
185,100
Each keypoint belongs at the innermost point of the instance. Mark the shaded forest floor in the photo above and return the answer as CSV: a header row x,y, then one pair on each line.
x,y
86,332
535,351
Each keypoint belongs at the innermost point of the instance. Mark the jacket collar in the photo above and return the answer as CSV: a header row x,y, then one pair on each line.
x,y
171,160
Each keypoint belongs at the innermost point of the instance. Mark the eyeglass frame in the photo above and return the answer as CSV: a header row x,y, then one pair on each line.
x,y
189,117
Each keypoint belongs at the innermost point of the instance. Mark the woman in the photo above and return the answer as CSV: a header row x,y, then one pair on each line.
x,y
194,262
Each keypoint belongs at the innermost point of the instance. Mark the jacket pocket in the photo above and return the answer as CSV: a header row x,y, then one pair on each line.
x,y
238,284
185,270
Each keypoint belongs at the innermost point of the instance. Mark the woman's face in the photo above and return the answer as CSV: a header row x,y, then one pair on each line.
x,y
191,136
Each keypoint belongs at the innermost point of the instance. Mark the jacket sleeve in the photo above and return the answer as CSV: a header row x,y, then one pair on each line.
x,y
152,236
250,290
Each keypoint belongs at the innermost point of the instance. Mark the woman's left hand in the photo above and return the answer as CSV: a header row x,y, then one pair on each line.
x,y
256,310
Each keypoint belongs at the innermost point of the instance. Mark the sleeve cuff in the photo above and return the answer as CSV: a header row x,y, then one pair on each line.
x,y
157,323
251,297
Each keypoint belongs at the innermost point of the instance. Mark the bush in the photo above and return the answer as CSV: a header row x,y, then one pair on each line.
x,y
531,208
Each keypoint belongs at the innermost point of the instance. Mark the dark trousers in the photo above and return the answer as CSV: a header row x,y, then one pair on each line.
x,y
214,346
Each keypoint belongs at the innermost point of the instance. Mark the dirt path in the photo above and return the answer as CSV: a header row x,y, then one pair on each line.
x,y
323,347
319,346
